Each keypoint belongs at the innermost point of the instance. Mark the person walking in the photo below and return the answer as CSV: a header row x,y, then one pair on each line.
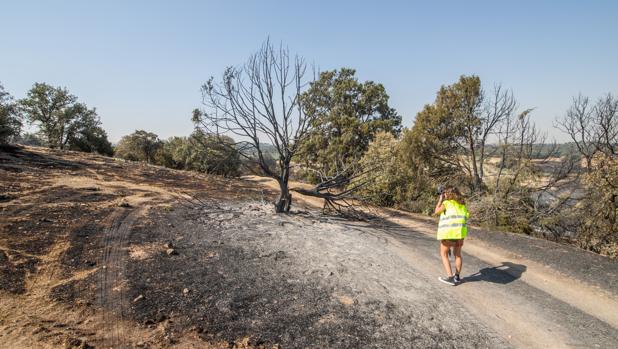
x,y
452,230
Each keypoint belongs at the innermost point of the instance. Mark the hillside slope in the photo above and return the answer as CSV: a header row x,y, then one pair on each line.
x,y
100,252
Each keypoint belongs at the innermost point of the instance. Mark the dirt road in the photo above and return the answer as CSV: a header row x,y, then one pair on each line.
x,y
525,297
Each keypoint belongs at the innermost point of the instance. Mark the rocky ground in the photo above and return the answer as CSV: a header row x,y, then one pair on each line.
x,y
98,252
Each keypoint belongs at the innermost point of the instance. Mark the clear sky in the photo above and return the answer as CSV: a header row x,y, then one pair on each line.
x,y
141,63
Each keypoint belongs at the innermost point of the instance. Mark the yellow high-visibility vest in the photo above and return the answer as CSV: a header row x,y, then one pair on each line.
x,y
453,221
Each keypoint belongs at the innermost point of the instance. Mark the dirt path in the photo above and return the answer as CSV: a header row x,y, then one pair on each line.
x,y
528,303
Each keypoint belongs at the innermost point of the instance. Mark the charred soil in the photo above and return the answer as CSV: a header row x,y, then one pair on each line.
x,y
99,252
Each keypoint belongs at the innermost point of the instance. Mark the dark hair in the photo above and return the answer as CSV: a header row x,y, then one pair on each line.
x,y
452,193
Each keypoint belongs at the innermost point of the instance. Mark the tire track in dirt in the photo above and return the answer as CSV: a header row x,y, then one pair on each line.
x,y
111,286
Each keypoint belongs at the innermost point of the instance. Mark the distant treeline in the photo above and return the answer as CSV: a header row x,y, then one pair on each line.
x,y
541,151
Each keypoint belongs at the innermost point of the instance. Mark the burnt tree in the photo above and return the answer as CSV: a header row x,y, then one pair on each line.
x,y
260,103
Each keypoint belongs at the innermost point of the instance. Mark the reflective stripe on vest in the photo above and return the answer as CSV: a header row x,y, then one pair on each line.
x,y
452,217
454,225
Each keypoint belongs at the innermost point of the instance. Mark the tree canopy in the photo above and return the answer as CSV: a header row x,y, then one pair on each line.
x,y
63,121
449,137
345,117
203,153
139,146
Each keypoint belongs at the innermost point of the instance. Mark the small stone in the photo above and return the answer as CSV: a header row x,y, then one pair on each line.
x,y
185,291
169,244
171,252
138,298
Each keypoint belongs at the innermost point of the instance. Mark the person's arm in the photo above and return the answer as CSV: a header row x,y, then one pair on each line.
x,y
439,206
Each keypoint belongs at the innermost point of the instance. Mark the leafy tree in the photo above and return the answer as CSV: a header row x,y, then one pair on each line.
x,y
62,121
87,135
201,152
175,153
449,136
213,154
345,117
390,177
10,121
53,109
139,146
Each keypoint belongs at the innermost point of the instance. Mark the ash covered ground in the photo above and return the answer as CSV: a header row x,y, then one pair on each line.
x,y
297,280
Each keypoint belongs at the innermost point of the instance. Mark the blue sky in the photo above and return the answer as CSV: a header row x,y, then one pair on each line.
x,y
141,63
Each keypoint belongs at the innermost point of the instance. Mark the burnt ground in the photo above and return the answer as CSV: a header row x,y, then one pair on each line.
x,y
99,252
286,281
59,219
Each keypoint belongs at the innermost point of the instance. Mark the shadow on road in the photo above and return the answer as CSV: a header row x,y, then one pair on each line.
x,y
505,273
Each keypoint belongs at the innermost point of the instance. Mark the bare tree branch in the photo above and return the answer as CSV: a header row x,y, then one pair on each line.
x,y
256,103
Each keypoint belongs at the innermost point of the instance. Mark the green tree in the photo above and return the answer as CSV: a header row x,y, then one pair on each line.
x,y
86,134
175,153
203,153
449,137
62,121
389,177
53,110
345,117
213,154
139,146
10,121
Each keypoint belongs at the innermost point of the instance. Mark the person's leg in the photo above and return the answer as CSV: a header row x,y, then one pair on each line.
x,y
444,248
457,253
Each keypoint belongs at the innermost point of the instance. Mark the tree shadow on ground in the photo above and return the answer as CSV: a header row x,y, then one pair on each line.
x,y
505,273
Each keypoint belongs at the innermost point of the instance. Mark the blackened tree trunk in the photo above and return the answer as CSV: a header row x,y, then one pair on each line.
x,y
284,202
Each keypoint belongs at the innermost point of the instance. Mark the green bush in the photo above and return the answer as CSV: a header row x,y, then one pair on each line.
x,y
201,152
139,146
